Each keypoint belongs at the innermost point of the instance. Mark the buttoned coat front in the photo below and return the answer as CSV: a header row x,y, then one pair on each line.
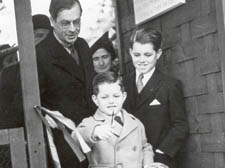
x,y
64,86
160,107
127,150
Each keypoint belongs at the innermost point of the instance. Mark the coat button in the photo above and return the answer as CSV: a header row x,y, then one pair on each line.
x,y
134,148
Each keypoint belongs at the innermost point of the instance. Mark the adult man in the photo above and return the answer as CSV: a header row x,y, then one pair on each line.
x,y
65,70
155,98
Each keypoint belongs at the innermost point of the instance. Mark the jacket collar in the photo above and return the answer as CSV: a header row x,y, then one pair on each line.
x,y
100,116
129,122
62,59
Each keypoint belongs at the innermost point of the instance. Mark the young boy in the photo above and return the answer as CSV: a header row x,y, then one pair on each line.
x,y
117,138
155,98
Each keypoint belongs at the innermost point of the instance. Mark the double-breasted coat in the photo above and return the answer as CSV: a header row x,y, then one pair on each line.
x,y
164,120
128,148
64,86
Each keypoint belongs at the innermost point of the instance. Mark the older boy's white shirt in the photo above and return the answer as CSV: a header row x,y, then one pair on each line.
x,y
146,77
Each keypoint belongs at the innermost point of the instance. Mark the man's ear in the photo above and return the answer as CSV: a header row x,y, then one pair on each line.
x,y
159,53
94,99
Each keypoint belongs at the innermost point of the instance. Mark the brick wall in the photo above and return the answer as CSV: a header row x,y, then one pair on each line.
x,y
190,53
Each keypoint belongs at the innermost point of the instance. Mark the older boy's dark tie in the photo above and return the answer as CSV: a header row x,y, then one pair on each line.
x,y
74,54
140,84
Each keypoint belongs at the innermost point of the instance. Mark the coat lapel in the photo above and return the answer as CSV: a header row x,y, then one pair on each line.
x,y
128,126
148,92
131,90
63,60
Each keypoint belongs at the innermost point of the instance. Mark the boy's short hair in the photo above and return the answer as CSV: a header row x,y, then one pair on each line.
x,y
146,35
57,6
106,77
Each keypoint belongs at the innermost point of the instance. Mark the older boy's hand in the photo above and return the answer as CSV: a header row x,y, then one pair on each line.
x,y
102,132
156,165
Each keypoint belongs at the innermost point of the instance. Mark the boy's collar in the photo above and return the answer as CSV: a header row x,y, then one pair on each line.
x,y
99,115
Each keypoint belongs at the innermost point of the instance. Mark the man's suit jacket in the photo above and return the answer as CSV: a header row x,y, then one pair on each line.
x,y
64,86
165,123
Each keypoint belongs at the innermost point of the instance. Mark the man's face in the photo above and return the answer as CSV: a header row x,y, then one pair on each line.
x,y
144,56
67,24
101,60
110,98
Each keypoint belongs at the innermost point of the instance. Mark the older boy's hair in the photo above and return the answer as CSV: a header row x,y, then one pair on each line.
x,y
106,77
146,35
57,6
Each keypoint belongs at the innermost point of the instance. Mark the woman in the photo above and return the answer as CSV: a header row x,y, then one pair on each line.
x,y
103,55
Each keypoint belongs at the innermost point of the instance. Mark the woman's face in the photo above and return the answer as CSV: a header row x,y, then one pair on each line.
x,y
102,60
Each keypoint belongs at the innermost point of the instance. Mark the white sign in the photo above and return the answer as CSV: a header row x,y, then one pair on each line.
x,y
148,9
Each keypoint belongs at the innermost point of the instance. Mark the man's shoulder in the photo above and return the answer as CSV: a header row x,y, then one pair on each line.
x,y
81,42
11,70
10,77
47,42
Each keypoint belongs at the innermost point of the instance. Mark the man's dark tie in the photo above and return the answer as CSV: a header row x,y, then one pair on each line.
x,y
74,54
140,84
119,120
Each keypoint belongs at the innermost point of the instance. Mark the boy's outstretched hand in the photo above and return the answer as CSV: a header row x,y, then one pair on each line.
x,y
156,165
102,132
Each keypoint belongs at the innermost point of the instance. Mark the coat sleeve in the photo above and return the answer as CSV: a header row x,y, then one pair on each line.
x,y
178,126
11,107
148,153
86,128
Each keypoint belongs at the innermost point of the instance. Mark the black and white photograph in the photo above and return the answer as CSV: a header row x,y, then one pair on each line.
x,y
112,84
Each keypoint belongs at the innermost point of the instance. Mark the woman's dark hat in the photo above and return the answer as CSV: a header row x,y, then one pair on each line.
x,y
103,42
41,21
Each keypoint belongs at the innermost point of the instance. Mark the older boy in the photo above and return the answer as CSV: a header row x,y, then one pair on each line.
x,y
155,98
117,138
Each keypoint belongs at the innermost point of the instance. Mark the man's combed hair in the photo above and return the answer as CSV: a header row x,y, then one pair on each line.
x,y
146,35
57,6
106,77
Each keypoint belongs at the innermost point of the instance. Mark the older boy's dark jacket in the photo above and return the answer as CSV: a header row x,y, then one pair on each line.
x,y
165,124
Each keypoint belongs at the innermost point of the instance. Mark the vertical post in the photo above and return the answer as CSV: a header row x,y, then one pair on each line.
x,y
220,17
118,36
30,89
